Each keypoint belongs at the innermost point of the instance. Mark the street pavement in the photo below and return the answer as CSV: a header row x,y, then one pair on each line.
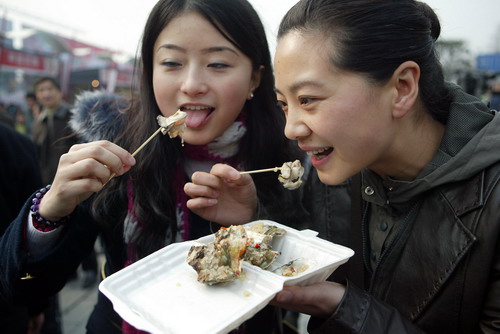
x,y
76,303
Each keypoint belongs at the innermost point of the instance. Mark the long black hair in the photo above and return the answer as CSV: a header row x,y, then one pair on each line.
x,y
264,144
374,37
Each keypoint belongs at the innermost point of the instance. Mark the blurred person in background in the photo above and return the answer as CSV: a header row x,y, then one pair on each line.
x,y
21,123
33,110
53,138
33,106
51,133
5,118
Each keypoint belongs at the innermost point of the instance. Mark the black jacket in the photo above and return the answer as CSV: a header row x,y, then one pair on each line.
x,y
19,177
19,173
52,138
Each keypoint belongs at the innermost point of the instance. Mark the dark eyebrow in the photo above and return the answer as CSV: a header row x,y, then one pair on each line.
x,y
219,49
171,47
298,85
207,50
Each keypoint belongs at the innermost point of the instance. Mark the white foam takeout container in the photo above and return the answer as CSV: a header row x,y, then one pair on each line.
x,y
160,293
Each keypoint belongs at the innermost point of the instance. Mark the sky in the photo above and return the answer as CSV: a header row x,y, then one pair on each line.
x,y
117,24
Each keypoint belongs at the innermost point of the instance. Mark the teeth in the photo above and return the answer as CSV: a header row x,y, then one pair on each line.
x,y
195,108
321,150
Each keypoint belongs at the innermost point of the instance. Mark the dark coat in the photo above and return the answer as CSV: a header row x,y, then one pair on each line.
x,y
19,173
447,277
53,139
19,177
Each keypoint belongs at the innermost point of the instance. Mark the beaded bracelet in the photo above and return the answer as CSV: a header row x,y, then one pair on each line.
x,y
39,222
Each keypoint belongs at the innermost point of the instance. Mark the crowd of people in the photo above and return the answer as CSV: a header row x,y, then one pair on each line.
x,y
402,166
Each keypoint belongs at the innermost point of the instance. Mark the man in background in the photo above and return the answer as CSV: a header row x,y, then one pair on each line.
x,y
51,133
53,137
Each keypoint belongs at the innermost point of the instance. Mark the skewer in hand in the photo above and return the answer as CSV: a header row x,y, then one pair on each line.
x,y
173,126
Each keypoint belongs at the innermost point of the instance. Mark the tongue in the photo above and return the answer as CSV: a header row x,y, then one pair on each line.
x,y
196,117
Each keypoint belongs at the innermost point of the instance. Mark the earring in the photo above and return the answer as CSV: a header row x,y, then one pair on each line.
x,y
250,96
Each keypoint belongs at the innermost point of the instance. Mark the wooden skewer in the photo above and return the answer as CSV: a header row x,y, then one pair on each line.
x,y
147,141
137,150
275,169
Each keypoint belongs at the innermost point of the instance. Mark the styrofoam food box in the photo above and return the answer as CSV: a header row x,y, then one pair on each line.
x,y
160,293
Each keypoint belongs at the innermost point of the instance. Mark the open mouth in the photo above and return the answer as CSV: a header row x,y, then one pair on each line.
x,y
197,115
321,153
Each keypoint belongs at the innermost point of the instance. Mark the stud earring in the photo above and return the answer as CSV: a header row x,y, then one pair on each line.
x,y
250,96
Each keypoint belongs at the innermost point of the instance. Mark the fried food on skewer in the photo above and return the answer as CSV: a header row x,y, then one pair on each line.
x,y
290,173
173,125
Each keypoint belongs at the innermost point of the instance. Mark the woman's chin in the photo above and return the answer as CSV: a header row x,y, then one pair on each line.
x,y
332,177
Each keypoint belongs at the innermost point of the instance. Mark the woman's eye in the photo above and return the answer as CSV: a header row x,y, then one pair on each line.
x,y
218,65
169,63
282,105
305,100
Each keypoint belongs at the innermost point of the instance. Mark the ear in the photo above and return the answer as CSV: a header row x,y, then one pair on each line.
x,y
405,80
255,79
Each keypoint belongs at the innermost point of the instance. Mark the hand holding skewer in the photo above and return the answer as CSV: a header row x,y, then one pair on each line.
x,y
173,126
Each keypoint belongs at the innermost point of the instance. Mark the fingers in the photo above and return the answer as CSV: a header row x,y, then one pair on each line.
x,y
111,155
223,195
203,190
230,174
86,168
200,203
225,171
205,187
320,299
203,184
81,172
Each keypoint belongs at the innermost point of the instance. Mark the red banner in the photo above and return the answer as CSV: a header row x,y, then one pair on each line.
x,y
20,59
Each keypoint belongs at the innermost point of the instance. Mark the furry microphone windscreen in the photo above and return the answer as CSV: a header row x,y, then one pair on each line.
x,y
98,115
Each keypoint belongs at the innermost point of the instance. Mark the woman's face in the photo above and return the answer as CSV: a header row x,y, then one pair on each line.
x,y
339,118
197,70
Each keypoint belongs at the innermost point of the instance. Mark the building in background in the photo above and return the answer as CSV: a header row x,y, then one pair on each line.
x,y
28,51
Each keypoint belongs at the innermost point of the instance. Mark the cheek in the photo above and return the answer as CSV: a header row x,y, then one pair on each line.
x,y
356,129
236,86
367,143
162,95
233,95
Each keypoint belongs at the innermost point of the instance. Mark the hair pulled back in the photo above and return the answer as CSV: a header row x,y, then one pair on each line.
x,y
374,37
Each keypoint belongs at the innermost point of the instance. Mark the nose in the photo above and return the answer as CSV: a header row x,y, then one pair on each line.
x,y
194,82
295,127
